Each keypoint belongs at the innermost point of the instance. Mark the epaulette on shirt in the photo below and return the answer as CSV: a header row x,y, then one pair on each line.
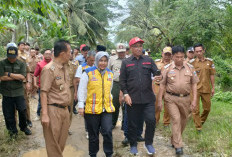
x,y
190,65
166,66
73,63
24,58
52,67
192,60
210,59
157,60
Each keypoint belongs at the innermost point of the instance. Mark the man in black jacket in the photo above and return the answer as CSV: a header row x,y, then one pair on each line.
x,y
136,85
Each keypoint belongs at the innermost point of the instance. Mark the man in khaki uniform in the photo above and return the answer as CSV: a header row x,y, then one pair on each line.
x,y
160,63
33,60
22,56
55,98
205,88
72,67
190,54
179,79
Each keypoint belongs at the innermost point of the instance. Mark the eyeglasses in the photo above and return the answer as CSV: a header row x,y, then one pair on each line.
x,y
137,46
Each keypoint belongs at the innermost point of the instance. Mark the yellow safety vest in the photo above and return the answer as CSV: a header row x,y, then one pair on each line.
x,y
99,91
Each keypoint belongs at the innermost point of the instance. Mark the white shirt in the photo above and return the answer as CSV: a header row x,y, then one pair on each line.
x,y
79,71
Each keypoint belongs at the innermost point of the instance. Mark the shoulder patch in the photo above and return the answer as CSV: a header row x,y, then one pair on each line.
x,y
166,66
24,58
192,60
52,67
190,65
157,60
210,59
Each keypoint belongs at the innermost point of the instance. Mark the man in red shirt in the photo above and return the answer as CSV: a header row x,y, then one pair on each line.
x,y
47,57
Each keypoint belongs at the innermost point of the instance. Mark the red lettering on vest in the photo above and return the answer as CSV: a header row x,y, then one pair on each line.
x,y
146,63
130,65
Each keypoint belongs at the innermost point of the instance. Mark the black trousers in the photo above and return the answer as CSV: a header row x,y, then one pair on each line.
x,y
134,112
9,104
96,122
115,93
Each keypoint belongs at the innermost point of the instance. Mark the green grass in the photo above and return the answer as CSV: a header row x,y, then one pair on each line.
x,y
216,136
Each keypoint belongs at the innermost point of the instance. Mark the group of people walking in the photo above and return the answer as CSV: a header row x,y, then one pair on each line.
x,y
100,84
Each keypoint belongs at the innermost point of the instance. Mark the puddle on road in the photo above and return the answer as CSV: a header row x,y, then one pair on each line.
x,y
69,151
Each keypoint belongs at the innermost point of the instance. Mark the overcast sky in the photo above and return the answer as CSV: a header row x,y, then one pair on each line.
x,y
115,23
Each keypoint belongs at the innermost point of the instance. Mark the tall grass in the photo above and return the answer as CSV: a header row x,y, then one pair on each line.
x,y
216,136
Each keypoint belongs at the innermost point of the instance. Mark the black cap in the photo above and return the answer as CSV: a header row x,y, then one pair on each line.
x,y
12,51
190,49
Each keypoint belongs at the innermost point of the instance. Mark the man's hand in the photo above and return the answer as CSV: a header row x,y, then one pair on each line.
x,y
128,100
28,86
158,78
160,105
36,86
212,92
193,105
121,99
81,111
75,96
45,120
6,74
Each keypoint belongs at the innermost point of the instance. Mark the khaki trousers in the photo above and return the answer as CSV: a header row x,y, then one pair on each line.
x,y
71,104
56,134
166,118
179,109
26,97
198,119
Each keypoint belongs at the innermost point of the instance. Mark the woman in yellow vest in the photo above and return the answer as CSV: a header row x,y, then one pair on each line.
x,y
95,89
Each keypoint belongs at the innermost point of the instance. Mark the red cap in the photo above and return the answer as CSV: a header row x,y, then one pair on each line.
x,y
81,47
135,40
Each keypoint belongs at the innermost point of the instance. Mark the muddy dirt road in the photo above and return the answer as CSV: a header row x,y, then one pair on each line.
x,y
77,144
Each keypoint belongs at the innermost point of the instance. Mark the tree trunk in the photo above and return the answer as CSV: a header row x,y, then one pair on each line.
x,y
14,33
27,31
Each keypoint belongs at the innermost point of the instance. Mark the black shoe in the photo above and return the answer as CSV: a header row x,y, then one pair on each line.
x,y
27,131
179,151
29,123
75,110
13,135
125,141
140,139
199,131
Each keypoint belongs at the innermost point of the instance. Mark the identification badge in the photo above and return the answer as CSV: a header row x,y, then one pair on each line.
x,y
61,87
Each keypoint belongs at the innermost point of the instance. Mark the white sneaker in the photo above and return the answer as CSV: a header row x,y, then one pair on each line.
x,y
87,135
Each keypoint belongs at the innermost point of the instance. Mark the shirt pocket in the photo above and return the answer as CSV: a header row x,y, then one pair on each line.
x,y
60,84
16,70
131,71
188,76
146,69
171,77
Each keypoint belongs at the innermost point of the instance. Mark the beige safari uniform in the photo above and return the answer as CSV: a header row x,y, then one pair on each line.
x,y
72,67
56,83
204,69
22,56
178,81
166,118
32,64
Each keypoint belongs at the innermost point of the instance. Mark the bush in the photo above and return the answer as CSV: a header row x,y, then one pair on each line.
x,y
223,96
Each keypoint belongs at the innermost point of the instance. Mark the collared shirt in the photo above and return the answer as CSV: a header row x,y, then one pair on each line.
x,y
80,59
32,63
115,66
12,88
135,79
204,69
160,64
22,56
39,68
179,81
72,67
55,81
79,71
